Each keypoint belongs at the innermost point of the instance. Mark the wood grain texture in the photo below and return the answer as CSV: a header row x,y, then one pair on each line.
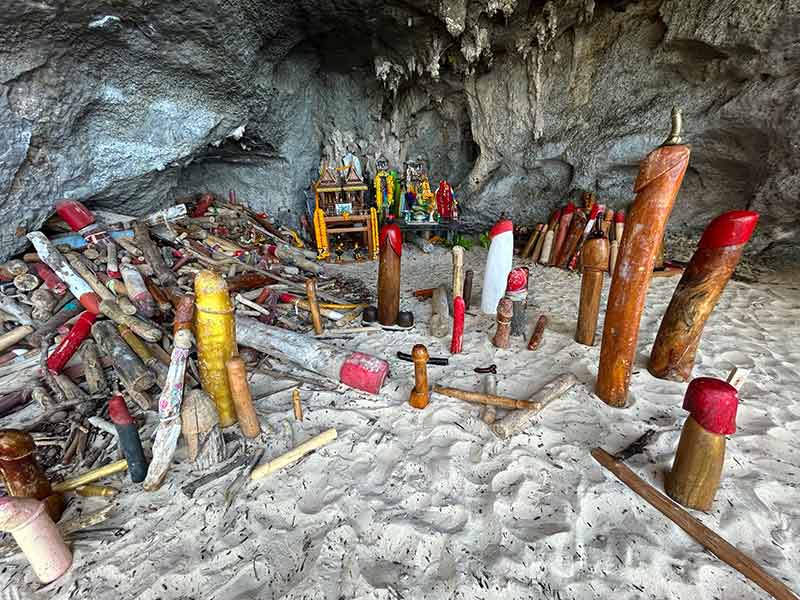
x,y
420,395
388,285
572,240
693,301
697,467
595,260
657,185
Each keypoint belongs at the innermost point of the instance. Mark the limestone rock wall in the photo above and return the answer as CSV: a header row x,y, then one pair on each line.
x,y
522,104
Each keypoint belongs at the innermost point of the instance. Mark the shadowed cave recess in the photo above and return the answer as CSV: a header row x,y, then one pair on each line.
x,y
521,105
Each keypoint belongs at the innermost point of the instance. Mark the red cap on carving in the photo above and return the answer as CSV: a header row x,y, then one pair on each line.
x,y
731,229
392,233
712,403
502,226
568,210
619,216
74,213
364,372
118,410
594,212
517,279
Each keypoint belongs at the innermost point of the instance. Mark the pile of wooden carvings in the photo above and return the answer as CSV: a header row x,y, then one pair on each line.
x,y
186,313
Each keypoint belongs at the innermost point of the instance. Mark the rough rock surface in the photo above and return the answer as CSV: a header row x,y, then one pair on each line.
x,y
521,103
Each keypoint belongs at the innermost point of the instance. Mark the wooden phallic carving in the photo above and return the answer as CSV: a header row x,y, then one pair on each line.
x,y
21,473
420,395
595,262
697,293
561,235
657,184
538,332
574,235
391,249
505,311
697,468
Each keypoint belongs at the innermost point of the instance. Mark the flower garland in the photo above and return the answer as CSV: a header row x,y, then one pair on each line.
x,y
321,232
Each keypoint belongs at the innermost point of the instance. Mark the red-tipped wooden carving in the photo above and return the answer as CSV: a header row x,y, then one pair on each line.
x,y
656,187
391,248
561,234
697,468
697,293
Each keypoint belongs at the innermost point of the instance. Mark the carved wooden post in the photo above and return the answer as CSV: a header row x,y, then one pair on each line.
x,y
697,294
561,235
420,395
573,239
467,294
505,311
498,265
391,249
440,313
216,341
697,468
242,398
657,185
548,239
595,262
21,473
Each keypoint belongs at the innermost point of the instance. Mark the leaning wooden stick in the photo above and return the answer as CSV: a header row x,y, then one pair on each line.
x,y
294,455
707,538
572,242
561,235
440,313
169,404
531,243
311,294
520,420
657,185
595,262
697,294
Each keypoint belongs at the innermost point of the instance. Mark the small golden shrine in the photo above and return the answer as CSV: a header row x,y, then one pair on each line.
x,y
341,208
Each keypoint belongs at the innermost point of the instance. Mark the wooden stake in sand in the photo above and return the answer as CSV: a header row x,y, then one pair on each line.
x,y
595,262
697,294
293,455
710,540
697,468
657,184
420,395
505,311
440,317
216,341
391,248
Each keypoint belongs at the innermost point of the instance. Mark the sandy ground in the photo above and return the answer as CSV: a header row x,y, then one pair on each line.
x,y
430,504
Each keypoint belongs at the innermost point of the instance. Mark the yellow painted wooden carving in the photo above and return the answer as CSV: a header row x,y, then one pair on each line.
x,y
216,340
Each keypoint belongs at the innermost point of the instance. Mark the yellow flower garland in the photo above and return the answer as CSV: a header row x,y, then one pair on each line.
x,y
379,199
321,232
373,224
